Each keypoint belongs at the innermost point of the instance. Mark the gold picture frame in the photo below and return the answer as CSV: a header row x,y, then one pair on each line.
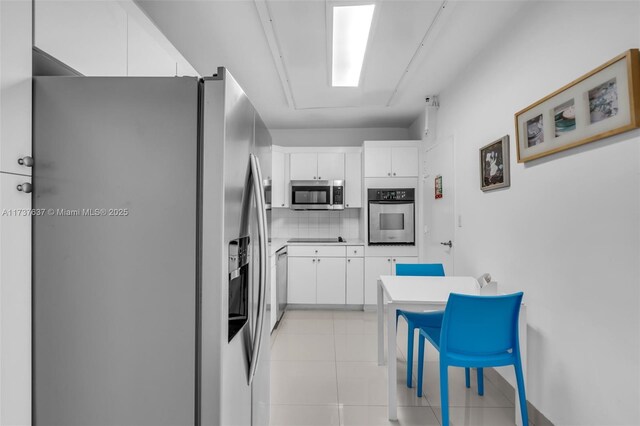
x,y
601,103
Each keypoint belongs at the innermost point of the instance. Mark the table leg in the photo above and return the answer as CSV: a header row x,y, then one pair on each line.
x,y
522,330
391,360
380,324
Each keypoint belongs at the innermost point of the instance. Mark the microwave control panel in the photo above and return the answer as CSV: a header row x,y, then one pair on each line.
x,y
338,196
402,194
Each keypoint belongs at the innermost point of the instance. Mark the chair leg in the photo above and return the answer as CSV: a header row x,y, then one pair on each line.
x,y
444,393
521,393
410,338
420,363
480,373
467,377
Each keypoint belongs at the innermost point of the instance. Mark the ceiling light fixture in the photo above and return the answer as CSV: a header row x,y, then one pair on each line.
x,y
351,25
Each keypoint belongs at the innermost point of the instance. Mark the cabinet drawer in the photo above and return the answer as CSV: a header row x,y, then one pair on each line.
x,y
317,251
355,251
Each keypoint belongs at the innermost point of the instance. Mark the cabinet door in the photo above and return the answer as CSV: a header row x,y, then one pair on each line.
x,y
15,303
304,166
373,268
377,162
353,180
88,36
396,260
145,56
355,281
404,161
15,85
331,166
301,285
331,275
278,188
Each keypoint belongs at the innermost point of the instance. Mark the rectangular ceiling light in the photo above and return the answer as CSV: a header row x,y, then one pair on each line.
x,y
351,25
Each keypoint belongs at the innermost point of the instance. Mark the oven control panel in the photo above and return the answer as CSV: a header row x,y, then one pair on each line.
x,y
401,194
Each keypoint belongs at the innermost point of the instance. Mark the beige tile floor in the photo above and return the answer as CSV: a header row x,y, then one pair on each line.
x,y
324,371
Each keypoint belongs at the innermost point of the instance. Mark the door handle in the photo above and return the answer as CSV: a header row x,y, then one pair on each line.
x,y
448,243
258,191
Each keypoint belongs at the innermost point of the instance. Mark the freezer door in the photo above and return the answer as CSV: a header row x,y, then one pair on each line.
x,y
114,290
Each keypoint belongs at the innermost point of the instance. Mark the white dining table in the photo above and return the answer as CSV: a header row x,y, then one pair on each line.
x,y
423,294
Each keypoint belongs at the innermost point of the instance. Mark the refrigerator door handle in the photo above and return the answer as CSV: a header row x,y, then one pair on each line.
x,y
258,191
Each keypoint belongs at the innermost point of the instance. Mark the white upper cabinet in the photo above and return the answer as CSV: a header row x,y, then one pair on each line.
x,y
331,166
88,36
353,180
15,85
391,159
404,162
105,38
377,162
145,57
279,180
304,166
317,166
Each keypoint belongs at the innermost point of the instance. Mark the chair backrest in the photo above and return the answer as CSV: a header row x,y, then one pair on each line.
x,y
420,269
480,325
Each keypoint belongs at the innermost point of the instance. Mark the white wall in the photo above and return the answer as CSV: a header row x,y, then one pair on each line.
x,y
567,232
335,137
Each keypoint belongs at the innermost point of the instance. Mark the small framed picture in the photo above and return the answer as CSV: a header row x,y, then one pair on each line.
x,y
438,187
494,160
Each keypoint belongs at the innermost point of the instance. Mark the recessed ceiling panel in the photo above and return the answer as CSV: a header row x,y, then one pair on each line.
x,y
303,29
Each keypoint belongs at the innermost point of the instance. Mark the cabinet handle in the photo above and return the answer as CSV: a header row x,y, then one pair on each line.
x,y
347,205
388,260
316,251
25,187
394,173
388,174
349,260
319,177
26,161
318,260
314,177
314,261
355,251
394,260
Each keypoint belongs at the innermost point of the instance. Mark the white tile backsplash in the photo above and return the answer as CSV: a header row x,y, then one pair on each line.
x,y
287,223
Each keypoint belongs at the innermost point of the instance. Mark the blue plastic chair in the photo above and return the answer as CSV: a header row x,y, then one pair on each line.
x,y
477,331
419,319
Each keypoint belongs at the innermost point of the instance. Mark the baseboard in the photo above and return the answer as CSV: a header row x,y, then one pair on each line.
x,y
319,307
536,418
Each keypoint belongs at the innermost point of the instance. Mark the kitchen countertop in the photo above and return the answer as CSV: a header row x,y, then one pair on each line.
x,y
277,243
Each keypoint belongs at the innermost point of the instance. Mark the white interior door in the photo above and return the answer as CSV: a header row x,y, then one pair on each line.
x,y
440,212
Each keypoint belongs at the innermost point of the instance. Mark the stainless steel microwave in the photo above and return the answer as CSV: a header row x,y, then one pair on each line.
x,y
317,195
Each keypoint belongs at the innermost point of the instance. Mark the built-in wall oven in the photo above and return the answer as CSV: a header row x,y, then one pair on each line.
x,y
317,195
391,216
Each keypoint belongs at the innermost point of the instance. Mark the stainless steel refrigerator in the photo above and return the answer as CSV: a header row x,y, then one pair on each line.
x,y
149,253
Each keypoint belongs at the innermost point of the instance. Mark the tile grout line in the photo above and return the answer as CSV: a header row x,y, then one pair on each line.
x,y
335,359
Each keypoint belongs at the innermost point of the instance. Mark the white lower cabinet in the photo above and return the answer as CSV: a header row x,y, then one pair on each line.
x,y
376,266
355,281
15,303
325,275
301,285
330,284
